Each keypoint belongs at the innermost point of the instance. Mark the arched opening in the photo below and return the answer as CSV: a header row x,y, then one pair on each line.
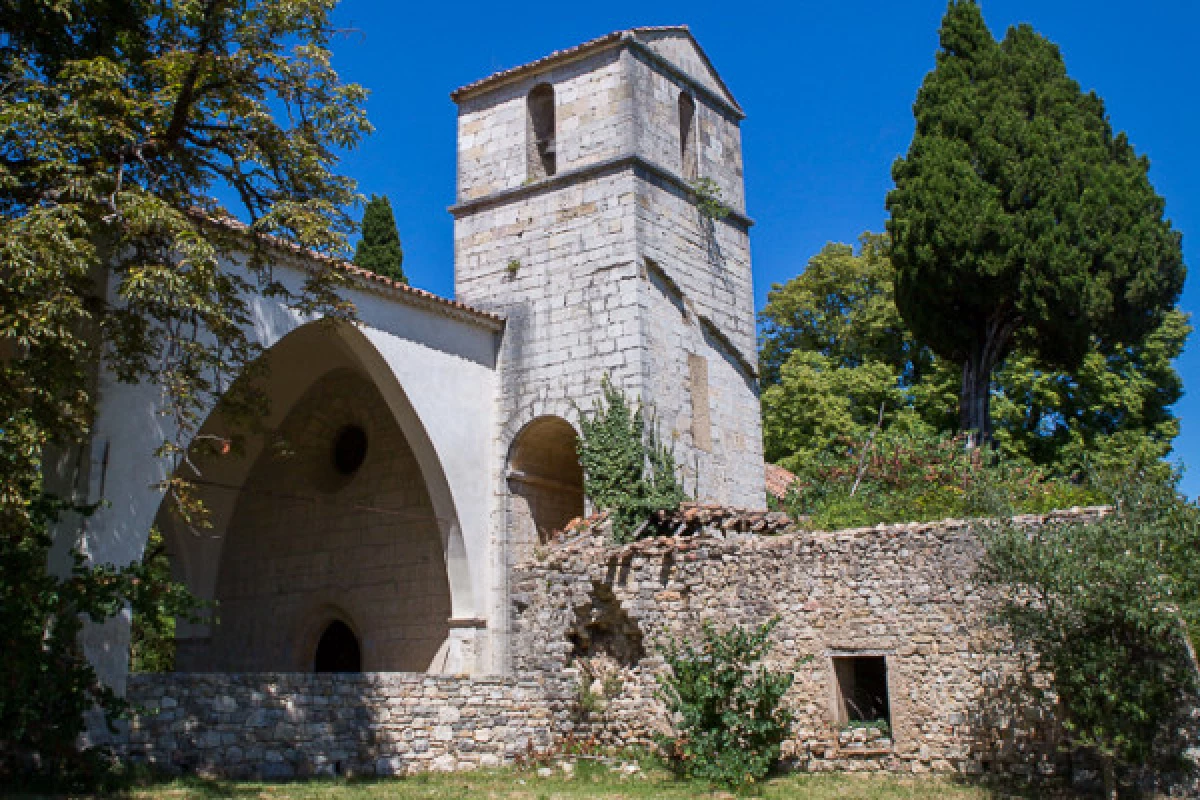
x,y
332,510
545,479
541,155
687,135
337,650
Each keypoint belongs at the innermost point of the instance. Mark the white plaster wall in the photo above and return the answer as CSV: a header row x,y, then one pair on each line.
x,y
443,378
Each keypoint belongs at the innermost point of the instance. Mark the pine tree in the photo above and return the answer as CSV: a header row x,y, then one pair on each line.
x,y
379,248
1019,217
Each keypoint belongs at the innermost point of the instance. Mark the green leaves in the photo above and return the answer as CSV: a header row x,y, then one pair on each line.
x,y
1017,213
834,349
627,471
122,127
379,248
1104,604
725,704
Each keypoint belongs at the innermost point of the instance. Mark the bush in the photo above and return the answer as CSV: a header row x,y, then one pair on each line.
x,y
728,715
627,471
1106,606
915,476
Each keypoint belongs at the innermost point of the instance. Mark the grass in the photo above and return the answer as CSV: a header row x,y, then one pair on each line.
x,y
592,782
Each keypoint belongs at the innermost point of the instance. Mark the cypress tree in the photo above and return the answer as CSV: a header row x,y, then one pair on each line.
x,y
1018,217
379,248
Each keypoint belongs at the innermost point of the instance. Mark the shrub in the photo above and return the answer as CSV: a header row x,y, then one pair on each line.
x,y
915,476
727,711
1106,606
627,471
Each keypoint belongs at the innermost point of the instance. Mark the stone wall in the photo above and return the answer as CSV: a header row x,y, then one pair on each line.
x,y
292,725
961,697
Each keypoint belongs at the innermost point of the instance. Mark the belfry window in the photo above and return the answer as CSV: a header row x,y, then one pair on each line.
x,y
540,150
687,135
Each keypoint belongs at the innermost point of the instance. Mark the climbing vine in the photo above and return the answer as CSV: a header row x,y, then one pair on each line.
x,y
627,470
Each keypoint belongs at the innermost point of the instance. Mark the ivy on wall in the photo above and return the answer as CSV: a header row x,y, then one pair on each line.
x,y
627,470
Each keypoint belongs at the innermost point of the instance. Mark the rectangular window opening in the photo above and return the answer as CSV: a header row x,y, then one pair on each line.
x,y
862,689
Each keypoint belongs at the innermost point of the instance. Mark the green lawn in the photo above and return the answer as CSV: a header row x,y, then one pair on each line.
x,y
589,781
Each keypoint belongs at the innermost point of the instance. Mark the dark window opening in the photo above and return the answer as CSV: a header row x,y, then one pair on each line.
x,y
349,449
542,152
862,689
338,650
687,135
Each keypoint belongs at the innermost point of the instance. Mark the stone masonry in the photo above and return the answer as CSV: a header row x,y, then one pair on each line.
x,y
588,614
277,726
605,265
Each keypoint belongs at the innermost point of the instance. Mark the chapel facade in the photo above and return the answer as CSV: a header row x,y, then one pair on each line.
x,y
411,459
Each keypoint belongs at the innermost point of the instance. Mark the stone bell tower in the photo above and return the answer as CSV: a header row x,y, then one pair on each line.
x,y
577,217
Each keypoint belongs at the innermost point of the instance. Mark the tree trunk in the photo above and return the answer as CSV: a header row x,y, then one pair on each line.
x,y
974,404
1108,768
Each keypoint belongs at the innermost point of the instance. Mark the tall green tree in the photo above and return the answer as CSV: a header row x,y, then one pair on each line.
x,y
1018,215
121,124
379,248
834,349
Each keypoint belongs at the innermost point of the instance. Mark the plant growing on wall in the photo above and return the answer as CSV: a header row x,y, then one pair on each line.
x,y
708,199
727,711
627,470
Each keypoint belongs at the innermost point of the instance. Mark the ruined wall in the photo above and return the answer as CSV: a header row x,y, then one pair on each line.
x,y
961,698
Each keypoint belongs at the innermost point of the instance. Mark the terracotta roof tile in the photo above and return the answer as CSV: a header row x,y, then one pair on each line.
x,y
421,295
779,480
530,66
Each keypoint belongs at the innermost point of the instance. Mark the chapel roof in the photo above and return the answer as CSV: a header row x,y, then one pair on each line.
x,y
642,35
398,289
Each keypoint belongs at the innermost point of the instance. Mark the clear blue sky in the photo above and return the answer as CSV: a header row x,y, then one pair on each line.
x,y
828,88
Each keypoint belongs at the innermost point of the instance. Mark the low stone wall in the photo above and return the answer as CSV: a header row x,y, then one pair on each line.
x,y
276,726
961,697
588,619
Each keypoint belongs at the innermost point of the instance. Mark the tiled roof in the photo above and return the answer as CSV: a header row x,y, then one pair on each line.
x,y
409,292
779,480
600,41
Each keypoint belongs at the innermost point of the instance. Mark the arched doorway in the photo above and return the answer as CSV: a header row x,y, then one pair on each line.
x,y
545,479
337,650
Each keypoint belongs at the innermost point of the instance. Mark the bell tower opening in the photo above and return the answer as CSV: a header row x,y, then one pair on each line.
x,y
542,160
337,650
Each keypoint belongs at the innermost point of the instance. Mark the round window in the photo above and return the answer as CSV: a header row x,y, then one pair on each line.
x,y
349,449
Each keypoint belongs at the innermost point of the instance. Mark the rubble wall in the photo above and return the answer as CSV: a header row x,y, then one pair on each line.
x,y
961,697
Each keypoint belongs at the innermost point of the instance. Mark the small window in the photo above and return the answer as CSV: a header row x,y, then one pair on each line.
x,y
687,135
862,689
338,650
541,150
349,449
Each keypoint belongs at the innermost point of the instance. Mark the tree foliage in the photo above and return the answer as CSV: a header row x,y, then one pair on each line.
x,y
1019,216
834,350
121,126
727,705
627,470
379,248
1106,606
